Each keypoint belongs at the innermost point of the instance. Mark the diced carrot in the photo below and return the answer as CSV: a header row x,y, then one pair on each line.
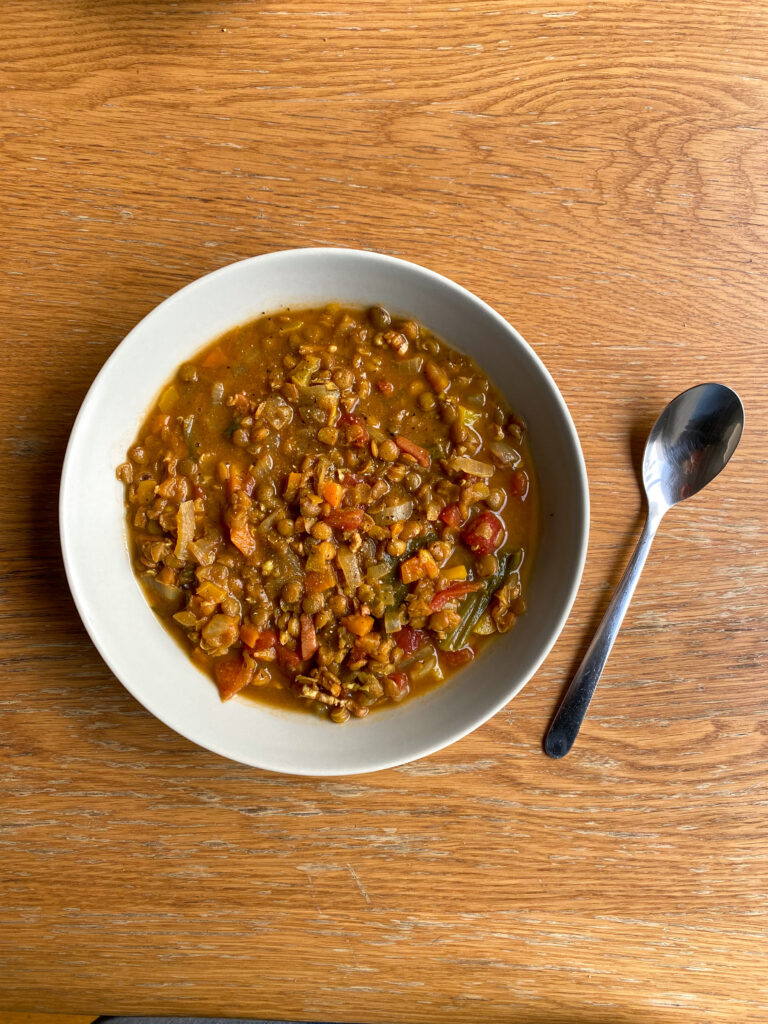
x,y
422,564
411,448
317,582
233,674
452,592
249,634
215,359
331,492
308,637
243,540
360,625
345,518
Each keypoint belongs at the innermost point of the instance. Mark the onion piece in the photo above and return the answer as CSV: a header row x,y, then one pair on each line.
x,y
463,464
185,528
349,566
394,513
505,454
217,393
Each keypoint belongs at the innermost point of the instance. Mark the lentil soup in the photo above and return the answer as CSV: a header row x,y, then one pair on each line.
x,y
331,509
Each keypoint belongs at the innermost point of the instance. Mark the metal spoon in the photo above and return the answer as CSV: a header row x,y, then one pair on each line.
x,y
690,443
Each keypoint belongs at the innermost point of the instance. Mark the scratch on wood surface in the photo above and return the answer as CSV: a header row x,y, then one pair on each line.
x,y
359,884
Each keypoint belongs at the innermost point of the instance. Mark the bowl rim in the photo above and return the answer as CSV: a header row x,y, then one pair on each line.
x,y
569,595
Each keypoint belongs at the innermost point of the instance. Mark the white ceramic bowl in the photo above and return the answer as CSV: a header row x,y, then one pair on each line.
x,y
155,669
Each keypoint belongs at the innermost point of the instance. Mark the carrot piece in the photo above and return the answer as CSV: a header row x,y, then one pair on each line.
x,y
360,625
233,674
422,564
243,540
411,448
308,637
215,359
316,582
332,492
249,634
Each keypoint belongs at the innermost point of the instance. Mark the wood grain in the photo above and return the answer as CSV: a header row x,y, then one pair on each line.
x,y
599,173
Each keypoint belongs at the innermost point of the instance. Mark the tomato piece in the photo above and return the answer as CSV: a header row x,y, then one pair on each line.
x,y
345,518
410,640
484,534
232,674
518,484
451,592
451,516
400,679
354,429
308,637
454,659
411,448
288,660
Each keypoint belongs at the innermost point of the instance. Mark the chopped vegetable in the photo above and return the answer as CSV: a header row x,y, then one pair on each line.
x,y
302,373
346,519
519,483
168,399
243,540
394,513
308,637
453,592
185,528
410,640
455,572
233,674
474,606
411,448
437,377
331,492
504,454
484,534
451,516
420,566
457,658
472,467
350,566
360,625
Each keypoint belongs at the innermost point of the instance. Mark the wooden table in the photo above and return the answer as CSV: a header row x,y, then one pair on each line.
x,y
599,173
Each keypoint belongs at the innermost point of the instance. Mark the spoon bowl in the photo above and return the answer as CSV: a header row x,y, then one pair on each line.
x,y
690,443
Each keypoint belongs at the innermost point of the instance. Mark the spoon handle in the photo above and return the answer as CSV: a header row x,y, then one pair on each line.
x,y
571,713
